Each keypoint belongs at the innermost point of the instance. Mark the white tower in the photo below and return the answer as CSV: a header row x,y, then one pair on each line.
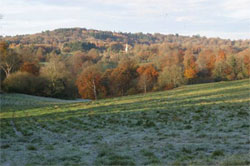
x,y
126,48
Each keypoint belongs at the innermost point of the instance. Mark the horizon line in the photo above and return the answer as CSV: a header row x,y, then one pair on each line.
x,y
118,31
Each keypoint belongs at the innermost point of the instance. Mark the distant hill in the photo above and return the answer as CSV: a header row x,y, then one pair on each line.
x,y
144,62
59,37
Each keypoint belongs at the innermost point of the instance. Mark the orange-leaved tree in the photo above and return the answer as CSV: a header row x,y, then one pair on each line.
x,y
206,61
190,67
147,77
30,67
122,77
89,83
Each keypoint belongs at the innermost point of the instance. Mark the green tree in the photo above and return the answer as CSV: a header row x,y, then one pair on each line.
x,y
23,82
232,67
171,77
61,83
10,60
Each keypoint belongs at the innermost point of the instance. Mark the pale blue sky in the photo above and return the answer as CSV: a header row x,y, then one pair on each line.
x,y
211,18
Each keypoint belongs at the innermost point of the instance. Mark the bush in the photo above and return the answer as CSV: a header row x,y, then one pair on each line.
x,y
132,91
218,153
60,82
31,147
63,88
23,82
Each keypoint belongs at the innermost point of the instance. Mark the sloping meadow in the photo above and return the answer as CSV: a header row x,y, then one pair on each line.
x,y
205,124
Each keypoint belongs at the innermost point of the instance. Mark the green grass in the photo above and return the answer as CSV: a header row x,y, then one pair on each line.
x,y
205,124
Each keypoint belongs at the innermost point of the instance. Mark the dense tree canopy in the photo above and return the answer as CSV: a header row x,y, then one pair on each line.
x,y
94,64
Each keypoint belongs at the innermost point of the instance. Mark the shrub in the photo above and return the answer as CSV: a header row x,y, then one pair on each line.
x,y
240,160
31,147
218,153
23,82
149,124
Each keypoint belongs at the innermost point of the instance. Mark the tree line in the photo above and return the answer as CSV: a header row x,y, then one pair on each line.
x,y
92,70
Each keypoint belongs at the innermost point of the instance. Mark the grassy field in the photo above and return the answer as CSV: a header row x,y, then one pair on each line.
x,y
205,124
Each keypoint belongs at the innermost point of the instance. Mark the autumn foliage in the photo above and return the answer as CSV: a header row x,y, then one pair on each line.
x,y
147,77
31,68
190,66
91,64
89,84
121,78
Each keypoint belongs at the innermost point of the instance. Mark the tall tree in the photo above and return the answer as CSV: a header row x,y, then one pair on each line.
x,y
40,54
76,62
122,77
190,66
89,83
232,67
243,63
10,60
93,54
147,77
171,77
220,67
206,61
61,83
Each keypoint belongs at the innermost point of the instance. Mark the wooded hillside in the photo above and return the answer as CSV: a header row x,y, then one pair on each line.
x,y
68,63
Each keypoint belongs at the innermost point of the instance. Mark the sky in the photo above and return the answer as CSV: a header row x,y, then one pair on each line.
x,y
228,19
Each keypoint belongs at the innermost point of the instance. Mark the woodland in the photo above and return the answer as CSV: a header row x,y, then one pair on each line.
x,y
92,64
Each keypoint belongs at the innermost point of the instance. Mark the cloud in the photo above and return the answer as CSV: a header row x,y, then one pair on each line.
x,y
225,17
239,9
221,34
184,18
